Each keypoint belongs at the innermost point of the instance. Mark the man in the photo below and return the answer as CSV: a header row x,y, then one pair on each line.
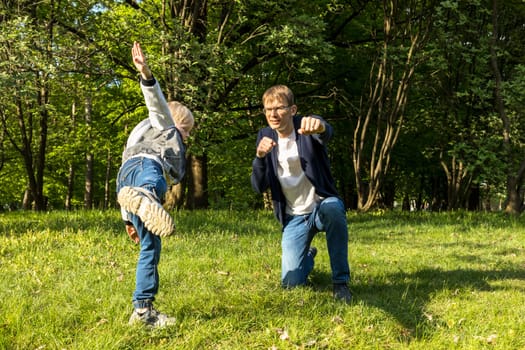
x,y
154,158
291,159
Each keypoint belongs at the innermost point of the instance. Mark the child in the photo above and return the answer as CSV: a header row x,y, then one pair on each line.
x,y
153,160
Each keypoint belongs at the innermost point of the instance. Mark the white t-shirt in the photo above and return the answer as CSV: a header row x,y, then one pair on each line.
x,y
298,190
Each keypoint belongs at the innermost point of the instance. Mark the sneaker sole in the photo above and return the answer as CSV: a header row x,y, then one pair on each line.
x,y
155,218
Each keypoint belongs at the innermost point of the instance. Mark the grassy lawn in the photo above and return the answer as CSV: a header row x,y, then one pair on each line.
x,y
420,281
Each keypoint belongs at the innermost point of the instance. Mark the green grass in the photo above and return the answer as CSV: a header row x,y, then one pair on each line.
x,y
420,281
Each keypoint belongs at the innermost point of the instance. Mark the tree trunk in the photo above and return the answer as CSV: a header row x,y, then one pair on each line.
x,y
34,165
174,197
192,15
385,105
88,182
107,187
514,200
458,183
197,191
71,171
70,187
88,188
38,192
27,200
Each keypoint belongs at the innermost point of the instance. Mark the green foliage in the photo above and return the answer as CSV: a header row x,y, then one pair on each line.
x,y
322,49
10,191
420,281
452,118
514,92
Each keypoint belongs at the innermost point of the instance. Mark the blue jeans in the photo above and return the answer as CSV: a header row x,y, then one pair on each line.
x,y
147,174
298,233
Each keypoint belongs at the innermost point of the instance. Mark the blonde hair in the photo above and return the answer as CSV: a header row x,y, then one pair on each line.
x,y
181,115
279,92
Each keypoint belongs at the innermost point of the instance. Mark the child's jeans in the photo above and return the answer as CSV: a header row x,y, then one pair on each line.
x,y
147,174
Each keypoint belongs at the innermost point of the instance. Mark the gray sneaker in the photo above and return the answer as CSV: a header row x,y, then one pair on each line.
x,y
151,318
143,204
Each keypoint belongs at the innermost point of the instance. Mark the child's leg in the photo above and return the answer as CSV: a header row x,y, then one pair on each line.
x,y
141,191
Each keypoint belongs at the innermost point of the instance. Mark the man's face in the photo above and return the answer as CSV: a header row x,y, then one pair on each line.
x,y
279,115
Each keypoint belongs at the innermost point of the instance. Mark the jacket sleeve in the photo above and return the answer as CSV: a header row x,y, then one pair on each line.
x,y
259,179
159,113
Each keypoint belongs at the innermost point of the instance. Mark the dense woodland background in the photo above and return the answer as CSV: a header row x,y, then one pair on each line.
x,y
427,97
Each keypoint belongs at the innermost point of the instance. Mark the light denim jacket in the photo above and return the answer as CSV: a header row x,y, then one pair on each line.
x,y
157,137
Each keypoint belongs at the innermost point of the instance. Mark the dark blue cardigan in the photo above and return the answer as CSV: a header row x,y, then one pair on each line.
x,y
314,161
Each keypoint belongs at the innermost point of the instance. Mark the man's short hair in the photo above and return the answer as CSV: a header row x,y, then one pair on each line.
x,y
279,92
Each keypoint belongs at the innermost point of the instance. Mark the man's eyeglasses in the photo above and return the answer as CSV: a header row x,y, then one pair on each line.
x,y
279,109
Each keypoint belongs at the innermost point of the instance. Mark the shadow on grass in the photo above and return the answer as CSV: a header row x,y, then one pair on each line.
x,y
405,296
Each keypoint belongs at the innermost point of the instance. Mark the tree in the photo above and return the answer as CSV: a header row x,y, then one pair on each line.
x,y
451,121
218,57
419,113
506,35
405,30
27,65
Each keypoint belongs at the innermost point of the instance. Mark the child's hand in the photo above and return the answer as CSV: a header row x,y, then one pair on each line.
x,y
140,62
132,233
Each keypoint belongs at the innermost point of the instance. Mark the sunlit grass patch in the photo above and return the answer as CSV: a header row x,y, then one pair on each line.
x,y
420,281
